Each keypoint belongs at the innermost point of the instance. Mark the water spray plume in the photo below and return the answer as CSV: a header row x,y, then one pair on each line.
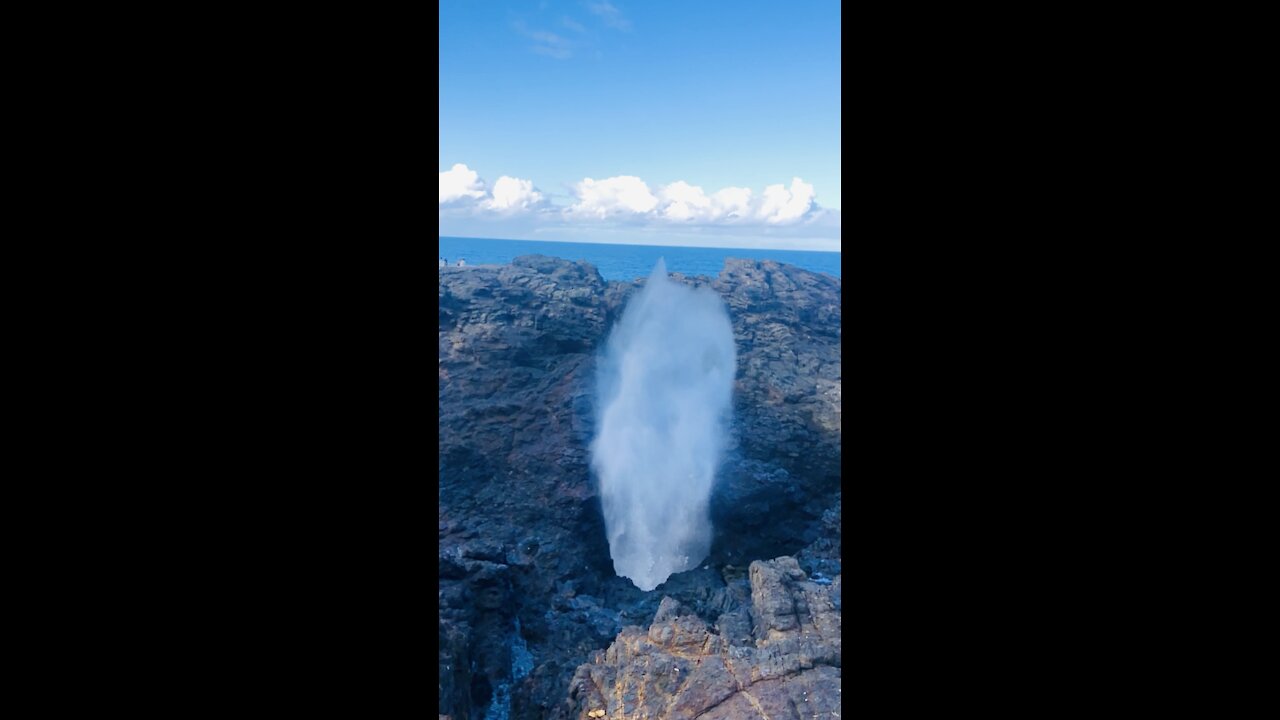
x,y
664,393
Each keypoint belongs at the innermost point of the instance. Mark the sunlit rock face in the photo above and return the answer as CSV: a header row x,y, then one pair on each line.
x,y
664,389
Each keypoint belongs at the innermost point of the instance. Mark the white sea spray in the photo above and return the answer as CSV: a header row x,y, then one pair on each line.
x,y
664,397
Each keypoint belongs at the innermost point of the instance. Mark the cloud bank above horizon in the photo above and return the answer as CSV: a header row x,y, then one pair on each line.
x,y
629,200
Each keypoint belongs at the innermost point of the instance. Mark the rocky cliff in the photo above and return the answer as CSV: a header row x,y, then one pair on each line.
x,y
527,589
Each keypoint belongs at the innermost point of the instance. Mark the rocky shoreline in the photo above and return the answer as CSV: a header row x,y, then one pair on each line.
x,y
529,601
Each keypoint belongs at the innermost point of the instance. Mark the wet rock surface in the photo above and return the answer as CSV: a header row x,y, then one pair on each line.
x,y
524,562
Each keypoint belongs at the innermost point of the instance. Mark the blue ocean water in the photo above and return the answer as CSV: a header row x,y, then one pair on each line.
x,y
628,262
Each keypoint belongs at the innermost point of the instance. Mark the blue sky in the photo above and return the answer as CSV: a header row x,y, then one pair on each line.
x,y
693,123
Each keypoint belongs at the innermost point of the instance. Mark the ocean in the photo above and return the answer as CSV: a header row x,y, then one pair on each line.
x,y
628,262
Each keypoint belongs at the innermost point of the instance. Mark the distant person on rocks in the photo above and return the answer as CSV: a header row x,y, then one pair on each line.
x,y
443,262
462,262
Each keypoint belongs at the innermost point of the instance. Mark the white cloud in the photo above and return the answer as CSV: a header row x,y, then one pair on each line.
x,y
463,193
556,51
628,198
513,195
460,183
734,203
609,14
548,43
680,202
685,202
688,203
622,195
780,206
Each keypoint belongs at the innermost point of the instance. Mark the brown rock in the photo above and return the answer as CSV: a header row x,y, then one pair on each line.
x,y
679,670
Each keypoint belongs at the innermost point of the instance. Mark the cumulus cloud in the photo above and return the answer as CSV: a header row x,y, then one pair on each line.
x,y
512,195
734,203
628,198
463,191
781,206
460,183
679,202
616,196
684,201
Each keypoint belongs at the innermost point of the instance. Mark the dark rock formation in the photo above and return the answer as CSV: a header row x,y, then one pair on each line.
x,y
523,555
